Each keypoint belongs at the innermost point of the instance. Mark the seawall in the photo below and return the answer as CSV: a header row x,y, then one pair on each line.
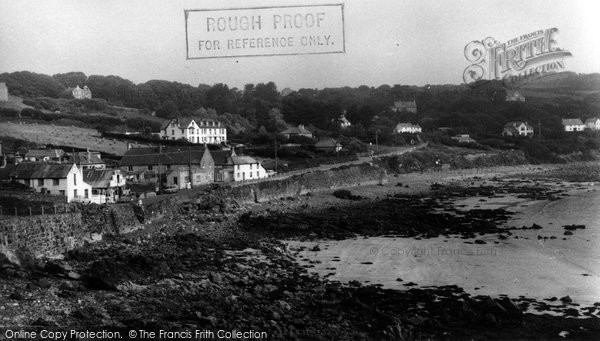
x,y
53,234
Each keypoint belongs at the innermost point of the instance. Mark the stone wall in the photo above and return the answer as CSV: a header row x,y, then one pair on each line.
x,y
49,235
42,235
365,174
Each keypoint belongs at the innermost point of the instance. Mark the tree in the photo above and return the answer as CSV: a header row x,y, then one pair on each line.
x,y
71,79
168,109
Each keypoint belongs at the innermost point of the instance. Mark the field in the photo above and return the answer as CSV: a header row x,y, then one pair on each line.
x,y
63,136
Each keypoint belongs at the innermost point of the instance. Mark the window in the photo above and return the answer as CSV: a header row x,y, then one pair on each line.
x,y
250,174
41,182
150,167
118,178
61,192
168,167
174,180
55,182
257,174
186,179
130,168
85,193
75,179
75,193
172,131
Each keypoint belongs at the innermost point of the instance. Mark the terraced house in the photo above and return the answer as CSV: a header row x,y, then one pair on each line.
x,y
175,166
58,179
203,130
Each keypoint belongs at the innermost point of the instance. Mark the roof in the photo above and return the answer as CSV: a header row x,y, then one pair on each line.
x,y
326,143
511,129
82,158
242,160
592,120
98,178
184,122
221,157
407,125
299,130
38,170
166,156
515,124
571,121
41,153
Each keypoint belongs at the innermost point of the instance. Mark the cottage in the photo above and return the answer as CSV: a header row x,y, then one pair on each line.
x,y
593,123
407,127
203,130
80,93
517,128
296,131
231,167
328,145
408,106
572,124
148,164
107,185
342,121
3,92
514,96
58,179
45,155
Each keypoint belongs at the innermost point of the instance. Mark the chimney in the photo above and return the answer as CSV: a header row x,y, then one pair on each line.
x,y
300,126
89,155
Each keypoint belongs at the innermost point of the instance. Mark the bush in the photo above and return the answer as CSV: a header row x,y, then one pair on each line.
x,y
10,113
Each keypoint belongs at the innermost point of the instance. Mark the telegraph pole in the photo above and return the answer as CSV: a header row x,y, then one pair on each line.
x,y
190,166
159,172
276,155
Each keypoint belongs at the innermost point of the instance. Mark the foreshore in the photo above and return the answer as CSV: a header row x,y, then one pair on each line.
x,y
228,269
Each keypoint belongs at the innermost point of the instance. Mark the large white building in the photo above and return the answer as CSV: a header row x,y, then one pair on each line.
x,y
195,131
58,179
407,127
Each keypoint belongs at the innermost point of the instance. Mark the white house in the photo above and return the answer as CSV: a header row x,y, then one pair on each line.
x,y
593,123
80,93
202,130
58,179
517,128
107,185
247,168
572,124
342,121
3,92
407,127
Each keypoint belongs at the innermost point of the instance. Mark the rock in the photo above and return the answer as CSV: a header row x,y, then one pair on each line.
x,y
73,275
43,283
316,248
566,299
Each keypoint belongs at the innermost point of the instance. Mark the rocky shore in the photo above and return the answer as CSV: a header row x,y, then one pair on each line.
x,y
214,264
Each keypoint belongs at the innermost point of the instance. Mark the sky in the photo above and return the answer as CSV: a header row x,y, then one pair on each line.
x,y
412,42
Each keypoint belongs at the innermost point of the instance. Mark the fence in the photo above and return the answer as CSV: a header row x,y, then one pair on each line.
x,y
23,211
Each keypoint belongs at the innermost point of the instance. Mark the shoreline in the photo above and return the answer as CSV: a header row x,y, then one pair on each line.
x,y
205,269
